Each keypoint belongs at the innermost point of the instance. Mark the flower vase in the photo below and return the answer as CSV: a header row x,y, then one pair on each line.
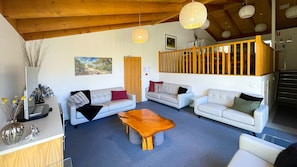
x,y
12,132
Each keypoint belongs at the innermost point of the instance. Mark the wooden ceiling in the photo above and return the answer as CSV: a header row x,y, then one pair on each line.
x,y
38,19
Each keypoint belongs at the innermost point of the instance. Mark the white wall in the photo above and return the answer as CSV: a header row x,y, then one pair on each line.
x,y
57,70
11,64
261,85
287,51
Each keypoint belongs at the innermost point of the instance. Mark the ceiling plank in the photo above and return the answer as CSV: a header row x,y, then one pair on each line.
x,y
50,24
59,33
55,8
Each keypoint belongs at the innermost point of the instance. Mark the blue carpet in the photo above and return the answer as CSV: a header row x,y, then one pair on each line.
x,y
192,142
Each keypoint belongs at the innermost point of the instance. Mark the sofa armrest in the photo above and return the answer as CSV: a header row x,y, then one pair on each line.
x,y
71,112
259,147
185,99
261,117
131,96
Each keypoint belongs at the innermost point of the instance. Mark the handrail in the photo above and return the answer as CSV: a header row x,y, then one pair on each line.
x,y
247,57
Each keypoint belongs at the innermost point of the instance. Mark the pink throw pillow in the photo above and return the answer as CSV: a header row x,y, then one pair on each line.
x,y
118,94
152,85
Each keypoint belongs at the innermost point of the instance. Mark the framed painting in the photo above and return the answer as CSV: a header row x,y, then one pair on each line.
x,y
170,42
92,65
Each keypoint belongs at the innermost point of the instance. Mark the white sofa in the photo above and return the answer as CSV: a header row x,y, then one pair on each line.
x,y
102,97
216,105
168,95
255,152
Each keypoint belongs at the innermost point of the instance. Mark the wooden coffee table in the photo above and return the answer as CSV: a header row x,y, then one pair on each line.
x,y
146,123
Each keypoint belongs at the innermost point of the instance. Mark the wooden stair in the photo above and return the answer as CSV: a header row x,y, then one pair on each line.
x,y
287,87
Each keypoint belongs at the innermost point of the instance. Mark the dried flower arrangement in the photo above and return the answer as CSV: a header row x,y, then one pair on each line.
x,y
14,108
33,53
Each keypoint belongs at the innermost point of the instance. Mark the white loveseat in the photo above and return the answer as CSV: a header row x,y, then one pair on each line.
x,y
168,94
102,97
216,105
255,152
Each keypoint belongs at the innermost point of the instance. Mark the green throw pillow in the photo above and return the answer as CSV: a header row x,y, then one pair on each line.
x,y
245,106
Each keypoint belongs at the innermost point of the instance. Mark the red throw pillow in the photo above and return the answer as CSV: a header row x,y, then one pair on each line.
x,y
118,94
152,85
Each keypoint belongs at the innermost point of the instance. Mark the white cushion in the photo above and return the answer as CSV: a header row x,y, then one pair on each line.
x,y
238,116
222,97
245,159
79,99
212,108
153,94
169,97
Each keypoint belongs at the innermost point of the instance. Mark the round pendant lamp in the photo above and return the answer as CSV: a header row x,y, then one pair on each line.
x,y
291,12
246,11
205,25
193,15
260,27
139,34
226,34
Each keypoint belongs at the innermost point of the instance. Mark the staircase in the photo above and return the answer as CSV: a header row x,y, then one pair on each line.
x,y
287,87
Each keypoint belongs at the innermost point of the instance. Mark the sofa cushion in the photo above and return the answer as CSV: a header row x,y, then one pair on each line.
x,y
112,105
182,90
152,85
287,157
170,88
245,159
245,105
169,97
238,116
250,98
79,99
223,97
153,95
118,94
212,108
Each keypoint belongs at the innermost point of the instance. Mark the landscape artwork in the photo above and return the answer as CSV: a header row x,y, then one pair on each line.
x,y
92,65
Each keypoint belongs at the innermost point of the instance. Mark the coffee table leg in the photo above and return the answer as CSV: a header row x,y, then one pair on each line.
x,y
147,143
127,129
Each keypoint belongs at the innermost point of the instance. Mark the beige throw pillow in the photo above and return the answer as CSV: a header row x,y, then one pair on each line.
x,y
79,99
158,88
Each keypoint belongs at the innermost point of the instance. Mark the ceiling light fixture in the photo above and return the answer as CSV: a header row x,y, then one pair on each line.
x,y
291,12
260,27
205,25
139,34
246,11
226,34
193,15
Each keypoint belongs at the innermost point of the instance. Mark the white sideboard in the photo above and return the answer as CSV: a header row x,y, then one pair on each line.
x,y
45,149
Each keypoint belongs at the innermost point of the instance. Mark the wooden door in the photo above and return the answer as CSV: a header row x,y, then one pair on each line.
x,y
132,76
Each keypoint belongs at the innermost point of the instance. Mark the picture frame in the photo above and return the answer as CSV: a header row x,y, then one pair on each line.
x,y
170,42
92,65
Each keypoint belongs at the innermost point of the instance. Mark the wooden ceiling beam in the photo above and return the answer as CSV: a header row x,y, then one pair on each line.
x,y
16,9
59,33
165,18
50,24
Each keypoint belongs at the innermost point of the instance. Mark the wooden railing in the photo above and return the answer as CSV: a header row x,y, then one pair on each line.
x,y
248,57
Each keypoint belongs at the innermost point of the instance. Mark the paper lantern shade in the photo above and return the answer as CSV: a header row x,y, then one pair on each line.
x,y
226,34
193,15
291,12
139,35
260,27
205,25
246,11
